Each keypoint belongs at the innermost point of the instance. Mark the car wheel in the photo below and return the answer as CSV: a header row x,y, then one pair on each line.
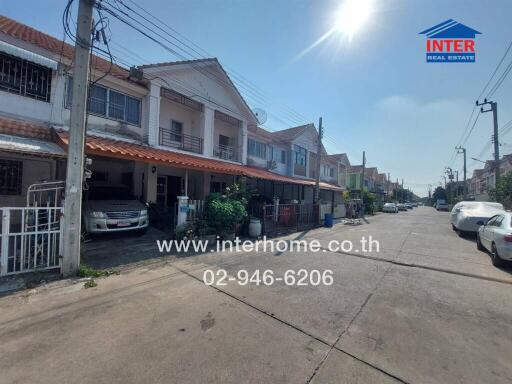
x,y
496,260
454,227
142,232
479,245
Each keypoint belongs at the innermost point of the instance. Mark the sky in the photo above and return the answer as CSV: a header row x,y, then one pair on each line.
x,y
375,92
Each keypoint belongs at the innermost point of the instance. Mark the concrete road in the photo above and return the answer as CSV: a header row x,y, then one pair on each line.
x,y
427,308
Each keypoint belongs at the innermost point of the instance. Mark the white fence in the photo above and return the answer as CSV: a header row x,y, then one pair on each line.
x,y
46,194
339,211
30,239
195,209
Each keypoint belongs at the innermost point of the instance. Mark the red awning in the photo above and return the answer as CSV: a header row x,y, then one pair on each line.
x,y
131,151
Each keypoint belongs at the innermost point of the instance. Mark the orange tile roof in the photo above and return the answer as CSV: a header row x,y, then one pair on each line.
x,y
130,151
25,128
30,35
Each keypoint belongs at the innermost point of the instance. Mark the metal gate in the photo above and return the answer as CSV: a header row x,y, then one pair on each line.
x,y
286,218
30,239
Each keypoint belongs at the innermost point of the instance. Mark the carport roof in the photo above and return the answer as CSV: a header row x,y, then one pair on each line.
x,y
101,146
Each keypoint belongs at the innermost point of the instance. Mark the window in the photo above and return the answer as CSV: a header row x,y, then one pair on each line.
x,y
176,130
300,155
217,187
109,103
117,105
331,172
497,221
25,78
257,149
225,141
132,110
98,100
11,172
300,159
283,157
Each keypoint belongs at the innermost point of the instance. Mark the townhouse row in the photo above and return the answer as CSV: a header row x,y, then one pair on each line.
x,y
484,179
165,130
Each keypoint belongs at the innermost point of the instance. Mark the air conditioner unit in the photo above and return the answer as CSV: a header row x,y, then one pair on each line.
x,y
136,73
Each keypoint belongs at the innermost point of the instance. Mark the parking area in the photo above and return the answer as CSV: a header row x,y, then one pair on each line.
x,y
428,307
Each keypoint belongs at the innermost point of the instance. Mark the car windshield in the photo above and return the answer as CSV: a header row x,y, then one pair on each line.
x,y
109,193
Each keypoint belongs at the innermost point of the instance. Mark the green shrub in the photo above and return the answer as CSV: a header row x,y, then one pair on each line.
x,y
222,212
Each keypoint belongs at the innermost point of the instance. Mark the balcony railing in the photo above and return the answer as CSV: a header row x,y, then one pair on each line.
x,y
226,152
189,143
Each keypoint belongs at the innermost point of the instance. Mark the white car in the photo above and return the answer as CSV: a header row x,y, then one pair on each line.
x,y
495,236
467,216
111,208
390,207
442,205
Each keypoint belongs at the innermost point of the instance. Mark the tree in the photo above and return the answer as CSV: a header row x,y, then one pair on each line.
x,y
502,193
400,194
368,202
439,193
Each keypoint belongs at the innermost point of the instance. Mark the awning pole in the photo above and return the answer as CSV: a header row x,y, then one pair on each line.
x,y
186,182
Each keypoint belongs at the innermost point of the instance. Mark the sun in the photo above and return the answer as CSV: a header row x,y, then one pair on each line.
x,y
352,15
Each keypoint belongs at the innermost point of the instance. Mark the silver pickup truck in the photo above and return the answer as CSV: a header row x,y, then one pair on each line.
x,y
111,208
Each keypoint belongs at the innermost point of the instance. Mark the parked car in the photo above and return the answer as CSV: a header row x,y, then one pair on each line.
x,y
467,216
111,208
495,236
401,207
390,207
408,205
442,205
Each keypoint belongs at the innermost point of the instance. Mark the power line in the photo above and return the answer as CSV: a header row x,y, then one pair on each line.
x,y
207,75
198,68
452,159
500,81
202,52
495,71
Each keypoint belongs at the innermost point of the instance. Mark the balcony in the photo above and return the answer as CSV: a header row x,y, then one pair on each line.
x,y
188,143
226,152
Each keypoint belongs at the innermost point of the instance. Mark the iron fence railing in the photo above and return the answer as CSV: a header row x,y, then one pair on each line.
x,y
286,218
226,152
30,239
170,138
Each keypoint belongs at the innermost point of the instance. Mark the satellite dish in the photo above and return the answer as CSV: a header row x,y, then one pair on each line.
x,y
261,115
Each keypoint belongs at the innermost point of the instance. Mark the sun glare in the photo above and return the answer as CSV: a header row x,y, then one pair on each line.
x,y
352,15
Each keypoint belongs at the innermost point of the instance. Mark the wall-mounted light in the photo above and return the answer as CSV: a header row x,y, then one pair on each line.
x,y
153,169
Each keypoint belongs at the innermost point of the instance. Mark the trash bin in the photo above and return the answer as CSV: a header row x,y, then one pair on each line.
x,y
328,220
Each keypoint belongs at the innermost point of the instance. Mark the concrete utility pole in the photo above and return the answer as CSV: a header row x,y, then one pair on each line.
x,y
75,162
316,197
362,174
495,139
463,151
389,181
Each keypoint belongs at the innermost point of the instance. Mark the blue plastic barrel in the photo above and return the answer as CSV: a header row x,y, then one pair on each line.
x,y
328,220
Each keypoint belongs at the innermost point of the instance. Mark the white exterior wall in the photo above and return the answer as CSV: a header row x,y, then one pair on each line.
x,y
35,170
105,125
190,119
307,140
280,168
212,90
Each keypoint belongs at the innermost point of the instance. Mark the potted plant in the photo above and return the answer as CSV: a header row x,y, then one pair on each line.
x,y
205,232
223,213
